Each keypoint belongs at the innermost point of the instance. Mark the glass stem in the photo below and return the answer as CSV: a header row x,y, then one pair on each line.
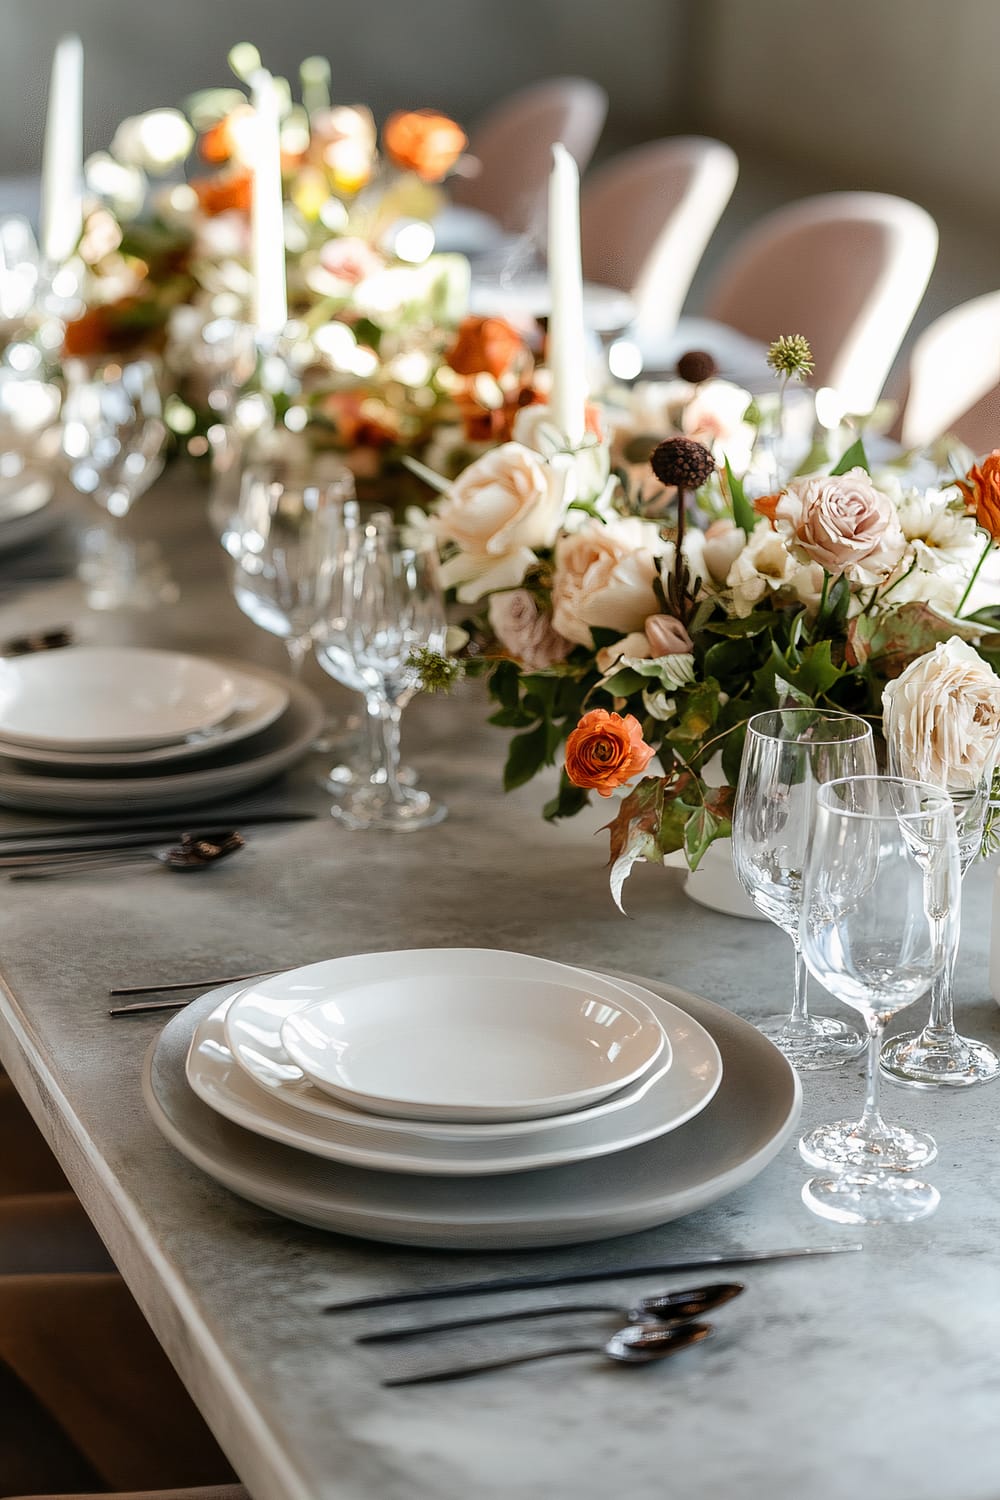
x,y
871,1125
385,717
940,1028
800,1009
297,647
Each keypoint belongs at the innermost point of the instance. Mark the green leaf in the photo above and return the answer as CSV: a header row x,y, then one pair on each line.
x,y
752,624
567,802
624,683
854,458
700,829
526,756
744,514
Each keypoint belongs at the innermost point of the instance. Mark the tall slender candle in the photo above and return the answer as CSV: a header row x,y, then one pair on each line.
x,y
270,304
567,338
62,161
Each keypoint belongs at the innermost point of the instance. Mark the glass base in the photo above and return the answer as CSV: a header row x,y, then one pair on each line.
x,y
843,1145
870,1198
372,807
925,1061
817,1042
347,777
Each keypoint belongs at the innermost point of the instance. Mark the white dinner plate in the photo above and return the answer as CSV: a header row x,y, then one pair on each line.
x,y
697,1070
449,1036
253,1035
221,774
259,701
110,697
754,1113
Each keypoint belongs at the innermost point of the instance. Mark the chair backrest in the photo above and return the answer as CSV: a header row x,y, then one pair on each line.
x,y
513,145
954,378
646,217
848,270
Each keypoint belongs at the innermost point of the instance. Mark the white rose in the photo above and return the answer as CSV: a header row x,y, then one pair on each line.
x,y
604,577
942,717
723,543
765,567
590,463
497,512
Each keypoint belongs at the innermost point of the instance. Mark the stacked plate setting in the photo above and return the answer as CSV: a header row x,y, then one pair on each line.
x,y
469,1098
105,728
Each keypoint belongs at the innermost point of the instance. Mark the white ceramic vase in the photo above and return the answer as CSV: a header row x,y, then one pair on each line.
x,y
714,883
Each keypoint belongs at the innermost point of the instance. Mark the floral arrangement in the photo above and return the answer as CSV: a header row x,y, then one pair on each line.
x,y
631,620
373,312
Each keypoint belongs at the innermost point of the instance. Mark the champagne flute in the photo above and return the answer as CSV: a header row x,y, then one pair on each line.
x,y
113,436
937,1057
882,880
787,754
384,602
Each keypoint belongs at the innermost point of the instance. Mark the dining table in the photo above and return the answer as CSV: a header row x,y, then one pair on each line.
x,y
872,1373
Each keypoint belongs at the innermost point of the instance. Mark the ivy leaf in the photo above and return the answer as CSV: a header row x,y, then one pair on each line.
x,y
854,458
700,830
634,833
752,624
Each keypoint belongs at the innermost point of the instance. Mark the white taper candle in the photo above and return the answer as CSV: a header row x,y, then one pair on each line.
x,y
270,303
62,161
567,338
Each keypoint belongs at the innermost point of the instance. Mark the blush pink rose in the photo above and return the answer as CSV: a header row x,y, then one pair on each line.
x,y
843,523
667,636
525,631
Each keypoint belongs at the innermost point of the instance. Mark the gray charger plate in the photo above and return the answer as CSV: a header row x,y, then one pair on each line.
x,y
753,1114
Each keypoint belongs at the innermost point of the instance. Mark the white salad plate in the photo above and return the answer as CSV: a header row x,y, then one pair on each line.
x,y
110,697
753,1114
452,1037
694,1077
259,701
223,773
253,1027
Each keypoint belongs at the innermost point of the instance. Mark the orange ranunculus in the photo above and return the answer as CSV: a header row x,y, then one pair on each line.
x,y
766,505
485,344
422,141
216,145
981,488
605,750
113,328
494,424
224,192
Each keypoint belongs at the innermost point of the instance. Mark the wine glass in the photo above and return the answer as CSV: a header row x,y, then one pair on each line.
x,y
283,546
113,436
937,1056
384,602
882,880
787,754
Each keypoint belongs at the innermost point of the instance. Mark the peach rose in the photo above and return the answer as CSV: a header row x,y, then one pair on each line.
x,y
605,751
604,576
525,631
484,344
843,523
667,636
497,512
942,717
350,259
423,141
981,488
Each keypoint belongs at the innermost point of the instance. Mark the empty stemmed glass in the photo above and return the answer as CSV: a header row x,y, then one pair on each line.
x,y
881,882
113,436
284,545
937,1056
787,754
384,603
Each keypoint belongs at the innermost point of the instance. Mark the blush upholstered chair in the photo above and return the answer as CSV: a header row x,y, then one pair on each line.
x,y
954,378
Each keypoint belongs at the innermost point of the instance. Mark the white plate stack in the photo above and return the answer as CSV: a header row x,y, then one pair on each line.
x,y
468,1097
123,728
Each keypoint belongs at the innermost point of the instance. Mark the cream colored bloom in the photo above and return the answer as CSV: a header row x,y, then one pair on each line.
x,y
765,567
497,513
943,717
843,523
153,142
723,543
714,416
604,577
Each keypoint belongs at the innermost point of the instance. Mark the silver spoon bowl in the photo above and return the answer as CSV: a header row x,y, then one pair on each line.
x,y
194,852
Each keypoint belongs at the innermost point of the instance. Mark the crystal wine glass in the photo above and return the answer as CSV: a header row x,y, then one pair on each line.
x,y
882,880
787,754
384,602
113,436
937,1056
284,544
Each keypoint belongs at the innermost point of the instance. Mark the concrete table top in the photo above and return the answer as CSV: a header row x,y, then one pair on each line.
x,y
871,1374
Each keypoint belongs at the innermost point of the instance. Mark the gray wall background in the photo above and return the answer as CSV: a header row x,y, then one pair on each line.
x,y
895,95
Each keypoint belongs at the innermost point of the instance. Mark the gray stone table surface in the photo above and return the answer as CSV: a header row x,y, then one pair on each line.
x,y
873,1374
